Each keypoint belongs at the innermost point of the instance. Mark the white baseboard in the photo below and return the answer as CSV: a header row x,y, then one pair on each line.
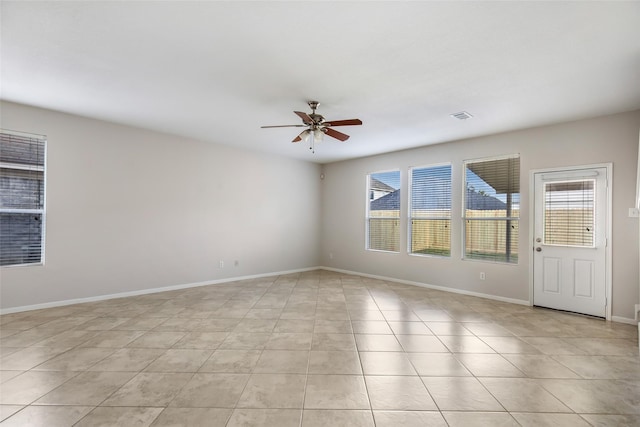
x,y
617,319
148,291
623,320
426,285
278,273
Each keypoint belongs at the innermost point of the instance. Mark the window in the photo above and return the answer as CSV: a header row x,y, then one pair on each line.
x,y
21,198
383,211
492,209
569,216
430,210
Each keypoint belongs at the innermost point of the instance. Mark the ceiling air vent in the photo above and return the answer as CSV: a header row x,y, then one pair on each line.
x,y
462,115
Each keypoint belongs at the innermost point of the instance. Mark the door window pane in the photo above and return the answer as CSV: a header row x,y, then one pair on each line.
x,y
569,213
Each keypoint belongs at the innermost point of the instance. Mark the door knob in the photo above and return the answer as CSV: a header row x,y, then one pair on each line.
x,y
538,249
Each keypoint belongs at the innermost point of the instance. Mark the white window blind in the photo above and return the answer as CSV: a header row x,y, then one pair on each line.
x,y
383,211
569,217
430,210
22,163
492,209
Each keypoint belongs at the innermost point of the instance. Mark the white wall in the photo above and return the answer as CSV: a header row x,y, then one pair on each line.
x,y
130,209
600,140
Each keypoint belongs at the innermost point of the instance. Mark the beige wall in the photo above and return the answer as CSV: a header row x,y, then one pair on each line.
x,y
605,139
129,209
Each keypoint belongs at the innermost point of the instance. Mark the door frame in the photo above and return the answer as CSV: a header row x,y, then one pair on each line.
x,y
608,230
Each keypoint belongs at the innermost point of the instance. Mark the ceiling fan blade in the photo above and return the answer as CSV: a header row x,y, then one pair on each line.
x,y
283,126
305,117
350,122
301,136
335,134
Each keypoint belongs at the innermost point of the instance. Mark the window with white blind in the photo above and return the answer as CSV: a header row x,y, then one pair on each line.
x,y
22,163
569,216
383,211
492,209
430,210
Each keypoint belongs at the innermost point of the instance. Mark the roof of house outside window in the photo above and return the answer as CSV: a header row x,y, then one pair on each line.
x,y
475,201
381,186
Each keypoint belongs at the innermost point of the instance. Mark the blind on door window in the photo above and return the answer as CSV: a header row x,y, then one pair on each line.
x,y
569,213
21,198
383,211
430,210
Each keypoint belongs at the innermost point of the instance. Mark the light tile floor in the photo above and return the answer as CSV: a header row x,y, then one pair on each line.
x,y
315,349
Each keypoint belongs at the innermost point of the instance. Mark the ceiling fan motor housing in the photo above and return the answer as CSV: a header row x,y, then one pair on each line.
x,y
316,118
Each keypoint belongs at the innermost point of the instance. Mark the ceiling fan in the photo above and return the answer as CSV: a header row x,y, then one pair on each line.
x,y
317,126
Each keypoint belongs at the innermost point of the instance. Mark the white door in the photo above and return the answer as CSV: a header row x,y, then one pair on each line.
x,y
570,223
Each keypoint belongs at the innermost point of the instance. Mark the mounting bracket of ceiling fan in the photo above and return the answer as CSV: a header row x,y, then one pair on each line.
x,y
317,126
316,119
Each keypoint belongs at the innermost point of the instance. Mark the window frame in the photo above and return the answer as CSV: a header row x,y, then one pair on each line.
x,y
411,218
40,211
368,217
509,219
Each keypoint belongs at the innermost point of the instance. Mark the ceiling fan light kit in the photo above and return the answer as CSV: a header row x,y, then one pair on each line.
x,y
317,127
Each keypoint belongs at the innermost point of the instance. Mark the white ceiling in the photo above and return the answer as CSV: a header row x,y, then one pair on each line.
x,y
217,71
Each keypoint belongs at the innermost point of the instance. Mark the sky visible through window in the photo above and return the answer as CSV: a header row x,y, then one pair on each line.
x,y
432,173
391,178
431,187
479,185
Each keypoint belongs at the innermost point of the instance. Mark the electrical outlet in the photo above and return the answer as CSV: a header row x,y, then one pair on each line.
x,y
482,276
221,264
